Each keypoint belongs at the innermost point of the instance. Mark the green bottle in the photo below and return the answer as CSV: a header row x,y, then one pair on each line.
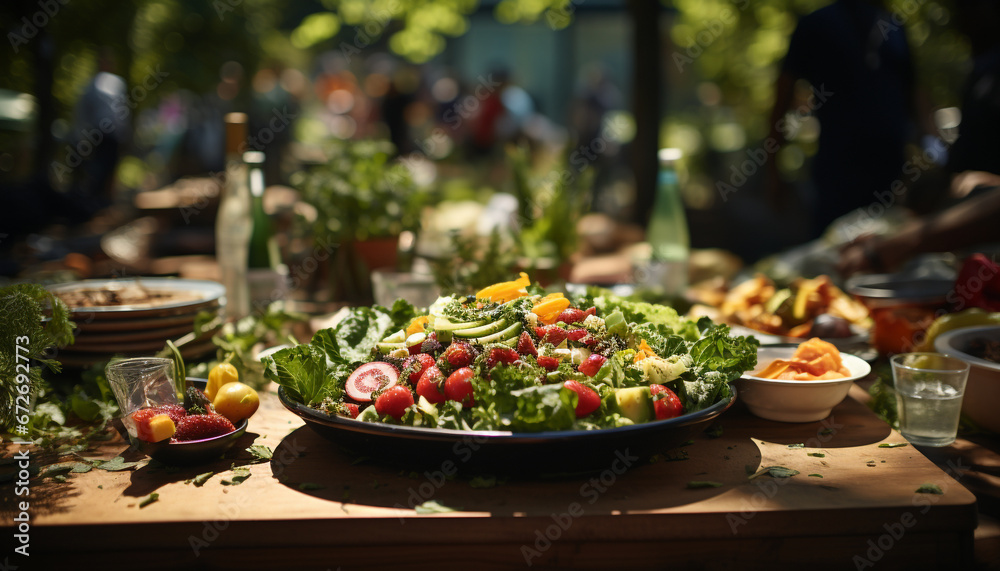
x,y
667,232
266,275
263,247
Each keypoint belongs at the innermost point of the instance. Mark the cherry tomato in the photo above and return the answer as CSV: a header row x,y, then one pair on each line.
x,y
429,385
394,401
458,386
666,404
588,400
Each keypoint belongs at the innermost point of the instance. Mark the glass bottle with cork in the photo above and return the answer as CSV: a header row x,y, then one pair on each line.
x,y
233,224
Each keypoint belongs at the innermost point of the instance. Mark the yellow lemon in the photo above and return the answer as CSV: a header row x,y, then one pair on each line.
x,y
236,401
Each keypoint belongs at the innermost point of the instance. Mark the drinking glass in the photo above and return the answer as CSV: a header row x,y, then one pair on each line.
x,y
139,383
929,389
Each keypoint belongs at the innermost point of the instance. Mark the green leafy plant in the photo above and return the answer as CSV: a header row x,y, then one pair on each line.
x,y
359,192
550,204
471,267
25,339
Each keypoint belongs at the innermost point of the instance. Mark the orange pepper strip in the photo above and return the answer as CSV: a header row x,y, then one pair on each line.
x,y
417,325
643,352
549,311
505,291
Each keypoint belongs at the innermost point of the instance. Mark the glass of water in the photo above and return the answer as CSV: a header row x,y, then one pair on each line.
x,y
929,389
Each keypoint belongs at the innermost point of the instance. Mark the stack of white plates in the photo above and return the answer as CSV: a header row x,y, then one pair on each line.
x,y
136,317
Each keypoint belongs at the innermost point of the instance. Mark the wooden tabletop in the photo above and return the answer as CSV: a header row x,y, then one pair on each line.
x,y
313,506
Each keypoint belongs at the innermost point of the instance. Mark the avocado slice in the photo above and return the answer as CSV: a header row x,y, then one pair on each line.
x,y
635,403
511,331
482,330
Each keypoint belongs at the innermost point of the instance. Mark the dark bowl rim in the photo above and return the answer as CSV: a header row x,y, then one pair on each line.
x,y
312,415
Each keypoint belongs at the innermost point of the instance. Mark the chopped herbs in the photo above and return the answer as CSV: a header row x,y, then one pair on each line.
x,y
815,475
260,453
695,484
433,507
116,464
816,454
892,444
797,445
240,475
774,472
149,499
483,482
200,479
930,489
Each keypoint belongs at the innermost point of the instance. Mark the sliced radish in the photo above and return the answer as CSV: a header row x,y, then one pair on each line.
x,y
369,378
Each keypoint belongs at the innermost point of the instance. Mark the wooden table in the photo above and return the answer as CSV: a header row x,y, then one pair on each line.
x,y
313,507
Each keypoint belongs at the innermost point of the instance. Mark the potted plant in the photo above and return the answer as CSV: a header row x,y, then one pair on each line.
x,y
364,201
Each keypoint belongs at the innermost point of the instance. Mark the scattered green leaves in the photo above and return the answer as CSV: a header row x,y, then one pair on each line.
x,y
149,499
483,481
930,489
892,444
200,479
116,464
695,484
816,454
433,507
774,472
240,475
260,453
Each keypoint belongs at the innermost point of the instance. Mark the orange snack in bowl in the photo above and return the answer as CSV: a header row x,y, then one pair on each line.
x,y
813,360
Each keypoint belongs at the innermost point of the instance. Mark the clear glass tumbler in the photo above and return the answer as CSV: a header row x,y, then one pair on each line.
x,y
139,383
929,389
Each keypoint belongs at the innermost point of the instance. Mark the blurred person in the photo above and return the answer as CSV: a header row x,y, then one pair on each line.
x,y
855,56
101,123
973,163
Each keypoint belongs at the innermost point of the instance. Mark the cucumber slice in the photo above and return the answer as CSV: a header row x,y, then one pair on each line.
x,y
442,324
487,329
509,333
385,347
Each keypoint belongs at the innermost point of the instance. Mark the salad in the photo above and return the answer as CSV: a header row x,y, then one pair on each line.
x,y
514,358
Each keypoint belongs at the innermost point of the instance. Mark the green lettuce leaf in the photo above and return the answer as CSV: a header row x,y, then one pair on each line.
x,y
306,374
546,407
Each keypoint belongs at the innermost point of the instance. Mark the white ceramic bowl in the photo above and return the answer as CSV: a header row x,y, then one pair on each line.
x,y
795,401
982,390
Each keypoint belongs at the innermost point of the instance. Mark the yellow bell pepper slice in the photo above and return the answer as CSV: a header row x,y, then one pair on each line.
x,y
643,352
549,308
505,291
417,325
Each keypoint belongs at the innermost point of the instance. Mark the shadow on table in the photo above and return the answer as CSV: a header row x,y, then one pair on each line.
x,y
154,475
319,468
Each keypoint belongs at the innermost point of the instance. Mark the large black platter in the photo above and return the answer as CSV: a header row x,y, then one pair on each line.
x,y
508,453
